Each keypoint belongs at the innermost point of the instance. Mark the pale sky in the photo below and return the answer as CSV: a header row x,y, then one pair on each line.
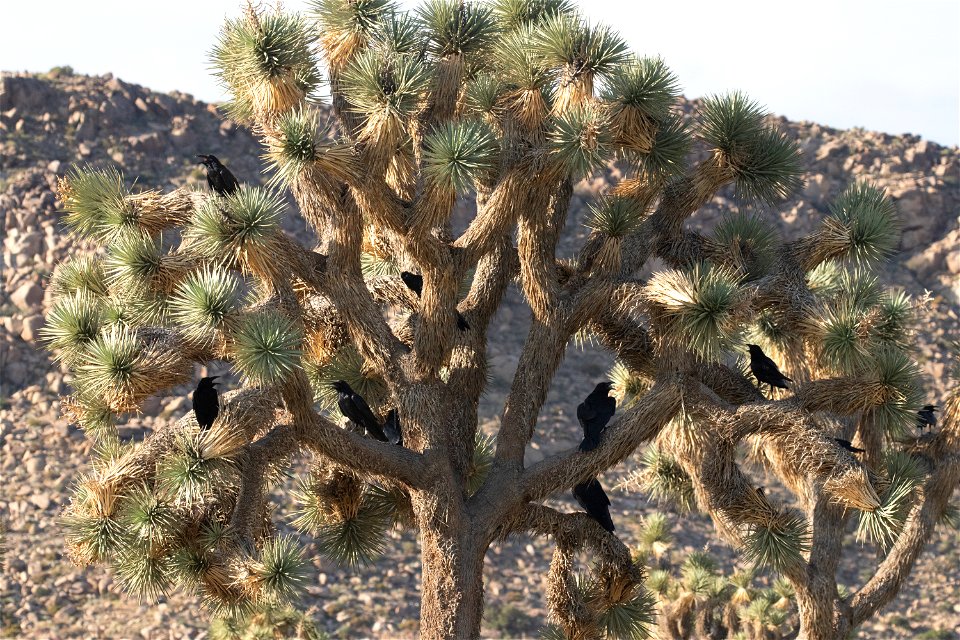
x,y
886,65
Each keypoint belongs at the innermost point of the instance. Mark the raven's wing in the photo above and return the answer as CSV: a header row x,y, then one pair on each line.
x,y
391,427
367,419
230,183
601,495
605,410
585,412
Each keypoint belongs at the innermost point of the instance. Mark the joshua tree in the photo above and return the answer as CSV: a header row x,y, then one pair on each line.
x,y
509,104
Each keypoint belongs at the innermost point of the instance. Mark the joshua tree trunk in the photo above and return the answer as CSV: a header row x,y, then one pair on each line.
x,y
452,556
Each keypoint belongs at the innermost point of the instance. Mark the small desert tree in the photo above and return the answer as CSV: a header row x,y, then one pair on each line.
x,y
511,102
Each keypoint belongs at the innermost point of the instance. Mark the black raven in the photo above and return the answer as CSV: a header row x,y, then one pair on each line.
x,y
355,408
218,176
925,417
206,404
765,370
591,497
594,413
414,282
391,427
848,446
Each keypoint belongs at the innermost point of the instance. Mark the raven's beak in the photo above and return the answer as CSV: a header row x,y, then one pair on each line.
x,y
203,159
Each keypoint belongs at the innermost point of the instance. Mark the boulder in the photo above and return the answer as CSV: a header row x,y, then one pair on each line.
x,y
28,296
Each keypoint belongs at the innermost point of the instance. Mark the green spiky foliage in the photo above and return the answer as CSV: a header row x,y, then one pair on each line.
x,y
664,480
266,347
267,622
753,241
205,302
457,155
79,274
96,203
904,473
564,40
386,85
266,62
512,14
454,27
579,140
868,222
764,163
348,525
501,108
347,364
615,216
698,307
780,544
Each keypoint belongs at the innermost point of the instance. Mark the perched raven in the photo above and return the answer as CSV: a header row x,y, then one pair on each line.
x,y
206,404
414,282
765,370
218,176
925,417
357,411
848,446
391,427
591,497
594,413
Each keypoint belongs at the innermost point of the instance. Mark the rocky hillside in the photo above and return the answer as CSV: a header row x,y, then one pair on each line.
x,y
50,121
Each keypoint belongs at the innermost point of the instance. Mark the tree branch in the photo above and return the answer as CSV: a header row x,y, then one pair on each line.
x,y
352,450
563,470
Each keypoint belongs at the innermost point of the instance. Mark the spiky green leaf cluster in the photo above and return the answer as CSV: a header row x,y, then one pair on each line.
x,y
565,40
266,347
399,33
615,216
882,526
900,378
780,545
149,521
82,273
766,163
481,462
96,203
869,220
579,140
698,306
229,230
513,14
645,84
135,262
357,16
664,480
74,323
113,363
188,477
297,135
358,540
518,67
455,27
752,239
143,575
275,47
282,569
667,158
457,154
204,302
388,84
94,536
